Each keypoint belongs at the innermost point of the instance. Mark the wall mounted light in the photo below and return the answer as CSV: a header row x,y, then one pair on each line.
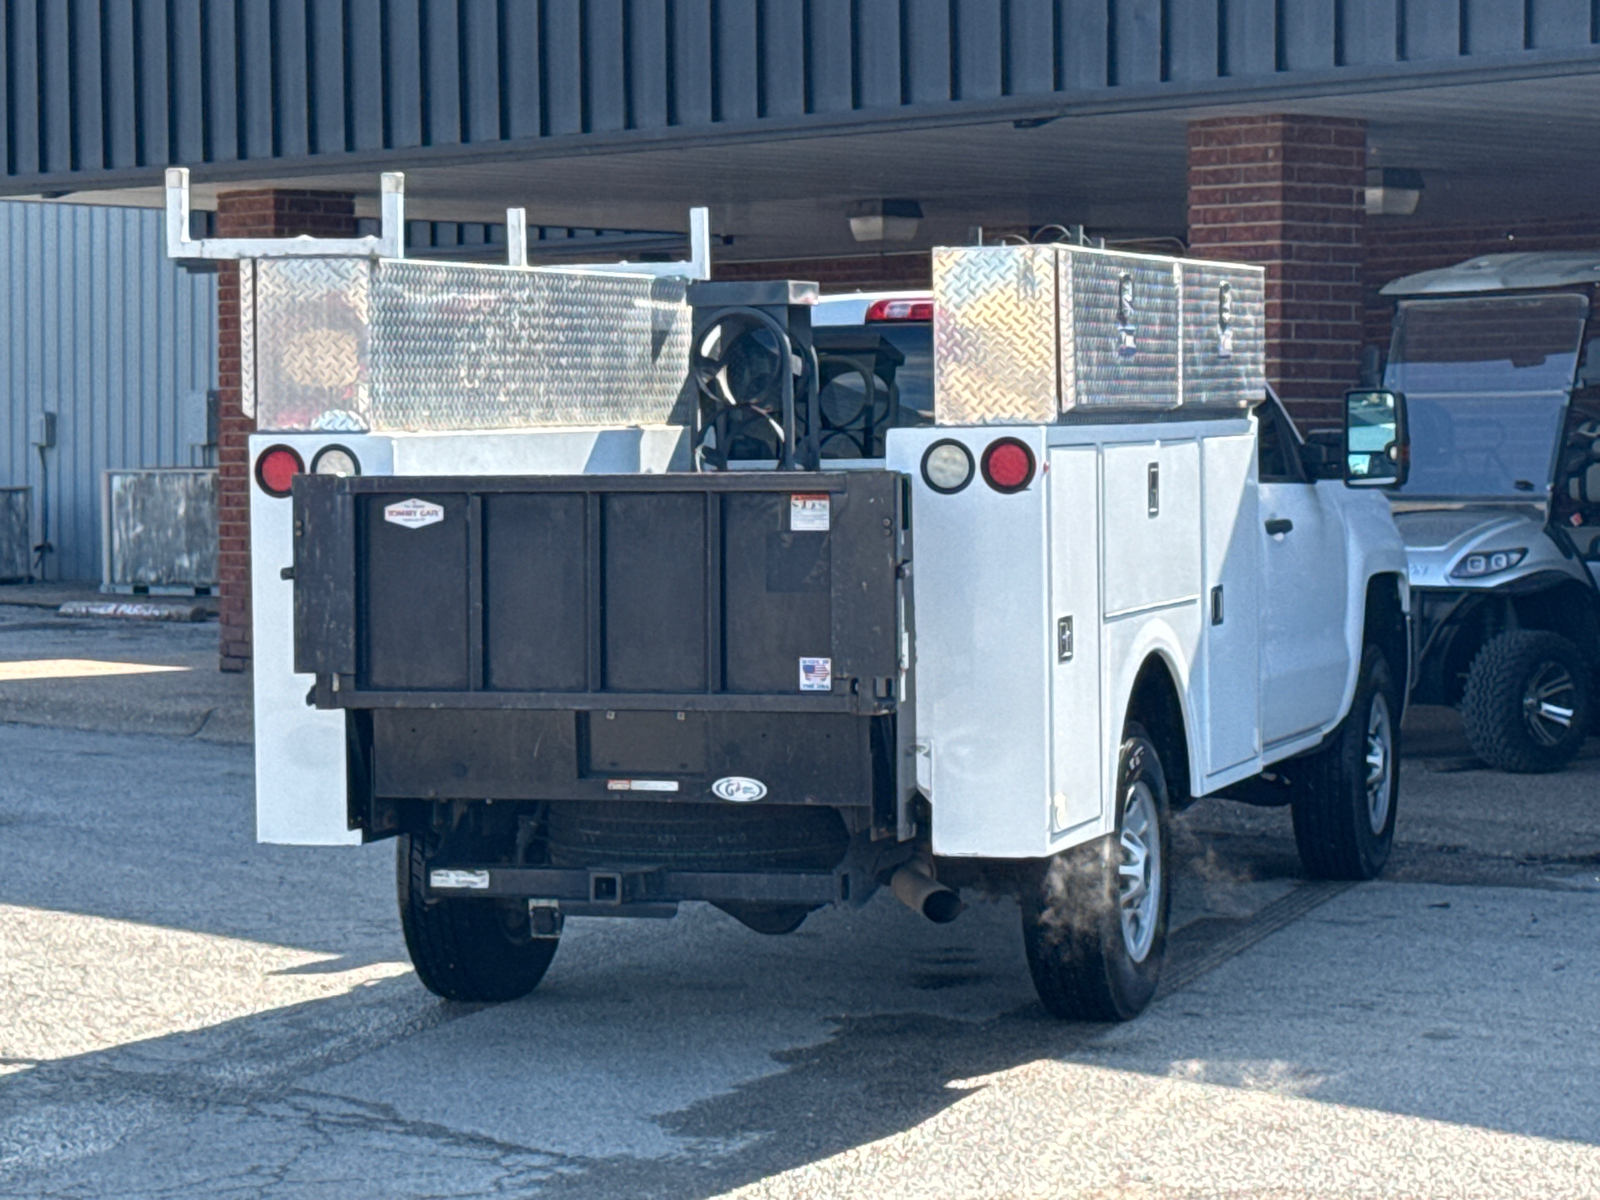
x,y
1393,191
884,220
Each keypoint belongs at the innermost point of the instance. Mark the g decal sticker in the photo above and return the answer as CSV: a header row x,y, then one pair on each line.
x,y
737,789
413,514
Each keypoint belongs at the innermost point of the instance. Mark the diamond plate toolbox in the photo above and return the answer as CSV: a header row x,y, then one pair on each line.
x,y
394,346
1117,331
994,335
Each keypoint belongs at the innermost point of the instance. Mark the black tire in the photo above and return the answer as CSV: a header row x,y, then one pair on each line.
x,y
1514,681
466,949
773,920
1345,796
1083,964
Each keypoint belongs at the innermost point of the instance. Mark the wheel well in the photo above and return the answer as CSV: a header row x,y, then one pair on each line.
x,y
1155,705
1567,609
1384,626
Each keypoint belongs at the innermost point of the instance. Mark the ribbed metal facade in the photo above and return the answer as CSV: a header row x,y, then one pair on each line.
x,y
97,326
105,88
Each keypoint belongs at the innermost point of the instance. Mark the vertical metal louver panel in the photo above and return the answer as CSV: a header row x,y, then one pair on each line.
x,y
100,328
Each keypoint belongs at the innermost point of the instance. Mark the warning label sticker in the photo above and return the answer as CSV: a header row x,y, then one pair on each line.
x,y
816,674
413,514
808,512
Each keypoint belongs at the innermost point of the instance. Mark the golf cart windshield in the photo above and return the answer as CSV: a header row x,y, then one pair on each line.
x,y
1486,381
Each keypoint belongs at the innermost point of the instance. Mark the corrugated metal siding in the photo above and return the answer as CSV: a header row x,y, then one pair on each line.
x,y
105,87
99,327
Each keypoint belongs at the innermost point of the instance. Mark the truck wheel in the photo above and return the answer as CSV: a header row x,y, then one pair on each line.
x,y
1095,924
1526,707
1345,795
471,950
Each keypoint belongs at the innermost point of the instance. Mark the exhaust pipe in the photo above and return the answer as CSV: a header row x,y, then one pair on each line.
x,y
916,888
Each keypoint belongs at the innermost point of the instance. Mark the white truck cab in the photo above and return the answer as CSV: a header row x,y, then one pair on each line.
x,y
597,591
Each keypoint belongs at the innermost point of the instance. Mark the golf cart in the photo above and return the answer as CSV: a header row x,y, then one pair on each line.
x,y
1501,510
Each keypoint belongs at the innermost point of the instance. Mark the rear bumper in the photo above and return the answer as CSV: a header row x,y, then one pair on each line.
x,y
642,892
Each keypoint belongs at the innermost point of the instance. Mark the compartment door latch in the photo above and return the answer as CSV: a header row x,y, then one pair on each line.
x,y
1064,640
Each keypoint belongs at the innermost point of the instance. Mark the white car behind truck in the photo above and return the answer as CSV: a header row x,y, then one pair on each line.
x,y
554,584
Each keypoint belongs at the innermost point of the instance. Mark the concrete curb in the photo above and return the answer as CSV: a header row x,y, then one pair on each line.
x,y
132,610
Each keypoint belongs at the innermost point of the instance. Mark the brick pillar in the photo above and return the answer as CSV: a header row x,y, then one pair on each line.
x,y
263,213
1287,192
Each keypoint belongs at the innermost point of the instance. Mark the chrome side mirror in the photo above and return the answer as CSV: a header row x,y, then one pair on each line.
x,y
1377,444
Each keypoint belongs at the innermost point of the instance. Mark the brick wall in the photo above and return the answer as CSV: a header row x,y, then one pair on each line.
x,y
1288,193
1406,245
263,213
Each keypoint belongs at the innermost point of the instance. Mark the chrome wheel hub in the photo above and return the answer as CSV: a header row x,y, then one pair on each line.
x,y
1139,873
1380,763
1548,704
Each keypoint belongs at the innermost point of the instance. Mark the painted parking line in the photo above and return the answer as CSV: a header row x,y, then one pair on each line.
x,y
76,668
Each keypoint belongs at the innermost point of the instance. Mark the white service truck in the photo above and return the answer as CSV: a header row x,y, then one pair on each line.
x,y
554,584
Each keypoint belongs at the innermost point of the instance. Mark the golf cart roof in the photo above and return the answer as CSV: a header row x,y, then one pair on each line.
x,y
1503,273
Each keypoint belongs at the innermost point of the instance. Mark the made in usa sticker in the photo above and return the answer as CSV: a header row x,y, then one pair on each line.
x,y
816,674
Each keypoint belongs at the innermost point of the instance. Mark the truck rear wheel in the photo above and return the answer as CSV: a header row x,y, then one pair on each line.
x,y
1095,924
1527,703
466,949
1344,796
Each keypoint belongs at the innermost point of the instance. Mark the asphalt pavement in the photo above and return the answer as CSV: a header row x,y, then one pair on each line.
x,y
187,1013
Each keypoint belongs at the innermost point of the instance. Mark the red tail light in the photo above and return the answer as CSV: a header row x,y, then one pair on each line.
x,y
900,310
1008,465
276,469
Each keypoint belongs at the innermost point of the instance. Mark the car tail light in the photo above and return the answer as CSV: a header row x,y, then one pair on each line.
x,y
900,310
1008,465
276,469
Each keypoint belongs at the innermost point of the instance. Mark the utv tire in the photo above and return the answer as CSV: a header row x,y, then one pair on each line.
x,y
1344,797
1094,922
466,949
1528,701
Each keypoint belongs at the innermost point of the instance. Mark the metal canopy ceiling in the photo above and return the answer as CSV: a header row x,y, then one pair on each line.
x,y
609,114
1487,152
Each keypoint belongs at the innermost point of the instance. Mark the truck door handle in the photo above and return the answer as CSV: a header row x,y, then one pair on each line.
x,y
1279,525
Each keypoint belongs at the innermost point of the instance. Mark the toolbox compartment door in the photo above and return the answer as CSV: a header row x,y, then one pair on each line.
x,y
1076,726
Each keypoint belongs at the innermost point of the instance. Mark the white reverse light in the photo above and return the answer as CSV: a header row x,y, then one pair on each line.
x,y
335,460
947,466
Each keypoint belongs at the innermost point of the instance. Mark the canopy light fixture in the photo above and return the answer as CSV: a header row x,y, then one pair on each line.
x,y
1393,191
884,220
